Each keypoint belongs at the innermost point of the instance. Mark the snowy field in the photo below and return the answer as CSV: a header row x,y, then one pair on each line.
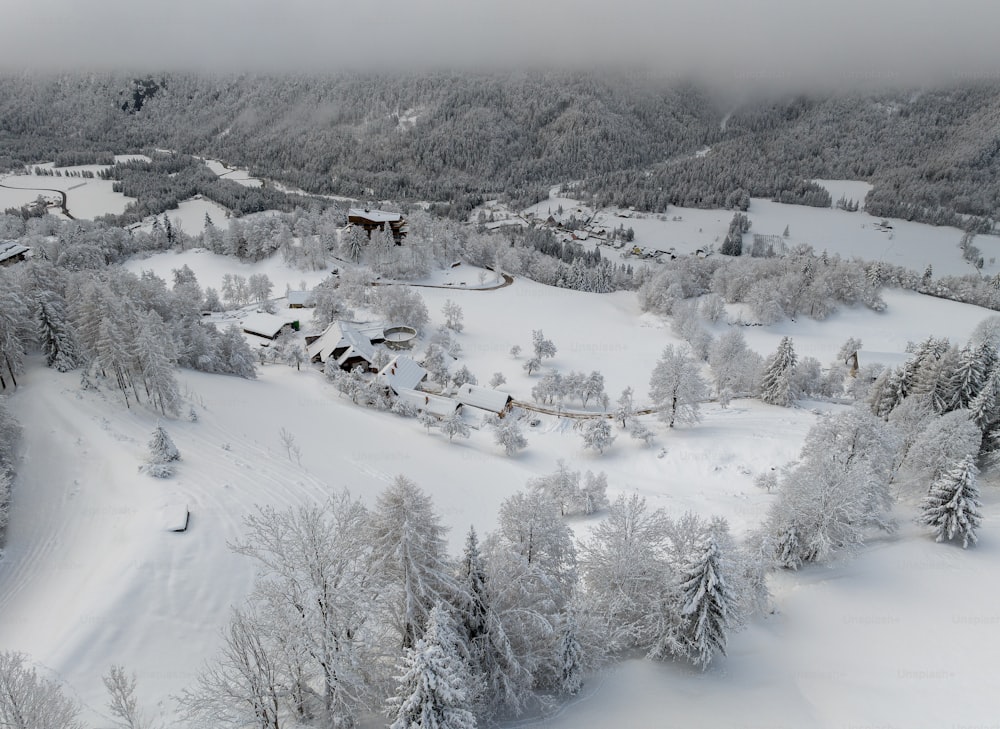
x,y
91,575
686,230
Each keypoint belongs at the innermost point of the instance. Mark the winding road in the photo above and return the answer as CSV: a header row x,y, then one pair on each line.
x,y
61,193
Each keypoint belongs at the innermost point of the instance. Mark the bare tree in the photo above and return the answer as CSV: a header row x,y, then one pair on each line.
x,y
121,699
28,701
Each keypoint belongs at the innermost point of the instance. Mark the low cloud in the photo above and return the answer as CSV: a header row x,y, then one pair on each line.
x,y
729,42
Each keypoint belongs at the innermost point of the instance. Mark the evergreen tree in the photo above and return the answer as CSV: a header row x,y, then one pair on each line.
x,y
708,603
952,507
162,448
55,334
776,379
570,656
433,691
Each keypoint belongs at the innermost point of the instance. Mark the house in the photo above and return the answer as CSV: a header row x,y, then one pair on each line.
x,y
377,219
349,344
483,398
264,325
300,299
11,253
425,402
402,373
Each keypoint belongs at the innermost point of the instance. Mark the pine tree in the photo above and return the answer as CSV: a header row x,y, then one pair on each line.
x,y
776,379
162,448
433,691
952,507
571,657
54,333
708,603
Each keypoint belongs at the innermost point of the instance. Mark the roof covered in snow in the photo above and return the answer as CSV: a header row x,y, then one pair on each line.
x,y
402,373
428,403
374,216
9,249
343,335
298,298
264,325
494,401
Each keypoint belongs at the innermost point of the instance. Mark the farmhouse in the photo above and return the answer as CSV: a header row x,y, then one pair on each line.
x,y
11,253
483,398
264,325
377,219
347,343
299,299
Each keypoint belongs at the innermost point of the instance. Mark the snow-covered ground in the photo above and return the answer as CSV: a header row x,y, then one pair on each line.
x,y
91,576
687,230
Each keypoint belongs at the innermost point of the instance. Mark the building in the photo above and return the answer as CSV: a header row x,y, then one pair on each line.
x,y
402,373
485,399
425,402
377,220
11,253
349,344
264,325
300,299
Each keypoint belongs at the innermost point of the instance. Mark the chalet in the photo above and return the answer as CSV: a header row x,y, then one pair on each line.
x,y
348,344
11,253
300,299
402,373
483,398
264,325
425,402
377,220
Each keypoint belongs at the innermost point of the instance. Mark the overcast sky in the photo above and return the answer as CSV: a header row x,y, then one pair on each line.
x,y
730,41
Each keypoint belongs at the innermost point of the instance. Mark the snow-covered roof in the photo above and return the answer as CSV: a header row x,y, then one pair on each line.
x,y
374,216
298,298
9,249
428,403
402,373
264,325
346,335
494,401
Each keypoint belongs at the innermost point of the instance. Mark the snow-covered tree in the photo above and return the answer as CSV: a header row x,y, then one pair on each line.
x,y
507,434
777,376
597,434
571,656
234,354
463,376
497,379
952,506
452,315
55,333
28,701
453,425
623,565
433,690
676,387
243,686
315,591
837,491
541,346
122,701
943,439
708,604
409,558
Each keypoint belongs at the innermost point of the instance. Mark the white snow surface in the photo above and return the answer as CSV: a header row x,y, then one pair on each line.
x,y
904,633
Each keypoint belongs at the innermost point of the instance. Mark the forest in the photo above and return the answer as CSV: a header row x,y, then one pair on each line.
x,y
455,140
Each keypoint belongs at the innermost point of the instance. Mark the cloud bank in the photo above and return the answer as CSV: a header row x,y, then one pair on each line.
x,y
731,42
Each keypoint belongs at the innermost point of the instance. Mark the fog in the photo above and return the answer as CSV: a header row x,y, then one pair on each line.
x,y
730,42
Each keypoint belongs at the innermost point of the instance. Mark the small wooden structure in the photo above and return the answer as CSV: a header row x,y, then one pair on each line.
x,y
299,299
377,220
483,398
11,253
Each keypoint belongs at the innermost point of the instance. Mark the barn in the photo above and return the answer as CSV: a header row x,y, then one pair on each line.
x,y
377,220
402,373
299,299
495,402
425,402
264,325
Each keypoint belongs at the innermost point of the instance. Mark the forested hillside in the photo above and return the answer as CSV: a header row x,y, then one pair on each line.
x,y
455,139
